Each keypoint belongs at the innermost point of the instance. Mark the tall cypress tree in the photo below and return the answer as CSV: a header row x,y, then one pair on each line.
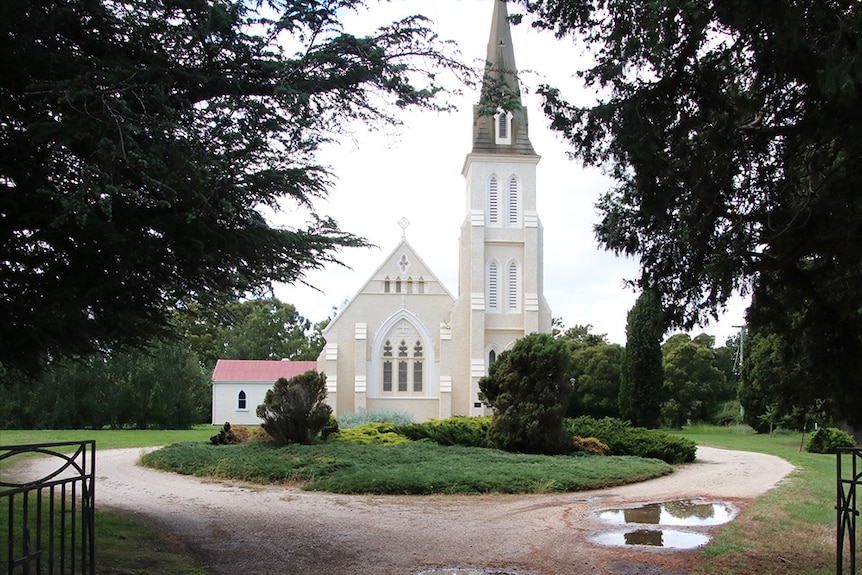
x,y
642,374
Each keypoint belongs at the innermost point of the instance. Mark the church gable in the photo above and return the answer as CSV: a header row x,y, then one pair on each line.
x,y
403,272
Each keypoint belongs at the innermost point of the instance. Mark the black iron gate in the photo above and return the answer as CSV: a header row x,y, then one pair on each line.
x,y
849,478
49,519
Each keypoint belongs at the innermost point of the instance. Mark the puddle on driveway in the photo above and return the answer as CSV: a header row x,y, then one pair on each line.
x,y
680,513
664,538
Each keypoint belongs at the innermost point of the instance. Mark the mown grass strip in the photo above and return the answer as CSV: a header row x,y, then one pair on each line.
x,y
411,468
791,529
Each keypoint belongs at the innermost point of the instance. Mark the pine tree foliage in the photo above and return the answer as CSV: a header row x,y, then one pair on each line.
x,y
294,410
732,129
141,140
528,387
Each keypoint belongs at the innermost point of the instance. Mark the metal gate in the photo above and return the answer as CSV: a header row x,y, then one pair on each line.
x,y
849,478
49,520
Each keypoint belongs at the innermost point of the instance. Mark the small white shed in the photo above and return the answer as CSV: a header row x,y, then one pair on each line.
x,y
239,386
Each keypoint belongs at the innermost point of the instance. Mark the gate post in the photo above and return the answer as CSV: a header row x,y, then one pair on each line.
x,y
846,506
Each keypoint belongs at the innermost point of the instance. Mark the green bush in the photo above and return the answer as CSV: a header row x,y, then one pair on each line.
x,y
230,435
363,417
528,386
457,430
828,440
623,439
374,433
294,411
589,445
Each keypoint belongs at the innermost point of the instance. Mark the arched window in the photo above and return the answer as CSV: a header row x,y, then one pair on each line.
x,y
418,363
513,201
386,285
403,363
493,286
241,400
503,127
398,285
387,366
402,366
492,357
513,291
493,201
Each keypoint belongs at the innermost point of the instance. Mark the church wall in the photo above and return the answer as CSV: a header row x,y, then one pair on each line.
x,y
356,330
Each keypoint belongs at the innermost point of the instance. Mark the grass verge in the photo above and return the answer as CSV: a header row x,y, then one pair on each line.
x,y
408,468
789,530
124,545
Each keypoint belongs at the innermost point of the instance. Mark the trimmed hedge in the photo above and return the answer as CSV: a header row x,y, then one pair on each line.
x,y
623,439
457,430
619,436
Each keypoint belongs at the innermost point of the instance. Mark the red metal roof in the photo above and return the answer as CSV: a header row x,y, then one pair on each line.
x,y
259,369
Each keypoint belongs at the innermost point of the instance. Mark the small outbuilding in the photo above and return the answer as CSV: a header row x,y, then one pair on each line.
x,y
239,386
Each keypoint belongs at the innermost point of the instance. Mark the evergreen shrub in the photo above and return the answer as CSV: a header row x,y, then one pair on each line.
x,y
257,433
374,433
623,439
828,440
230,435
295,410
363,417
457,430
590,445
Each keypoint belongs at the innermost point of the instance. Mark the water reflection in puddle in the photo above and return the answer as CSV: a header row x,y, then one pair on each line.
x,y
680,513
684,512
665,538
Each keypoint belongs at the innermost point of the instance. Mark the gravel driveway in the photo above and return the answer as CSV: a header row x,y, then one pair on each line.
x,y
237,528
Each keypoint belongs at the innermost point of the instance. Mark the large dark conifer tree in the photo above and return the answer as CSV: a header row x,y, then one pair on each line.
x,y
140,140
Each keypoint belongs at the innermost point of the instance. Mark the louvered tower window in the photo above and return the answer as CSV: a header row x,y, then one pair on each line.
x,y
493,201
493,286
513,294
513,201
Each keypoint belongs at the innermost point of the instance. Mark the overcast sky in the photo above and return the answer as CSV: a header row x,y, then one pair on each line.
x,y
415,172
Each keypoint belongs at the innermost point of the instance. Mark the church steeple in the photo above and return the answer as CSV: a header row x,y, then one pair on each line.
x,y
499,120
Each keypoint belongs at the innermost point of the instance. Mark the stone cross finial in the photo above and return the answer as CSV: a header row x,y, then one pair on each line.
x,y
403,222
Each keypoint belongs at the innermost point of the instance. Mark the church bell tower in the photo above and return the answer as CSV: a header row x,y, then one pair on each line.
x,y
500,295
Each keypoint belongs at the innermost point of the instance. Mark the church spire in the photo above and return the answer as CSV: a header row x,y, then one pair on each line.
x,y
499,120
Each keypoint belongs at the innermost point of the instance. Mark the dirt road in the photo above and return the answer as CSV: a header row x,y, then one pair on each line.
x,y
239,528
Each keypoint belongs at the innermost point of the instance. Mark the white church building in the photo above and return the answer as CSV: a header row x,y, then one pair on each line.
x,y
404,342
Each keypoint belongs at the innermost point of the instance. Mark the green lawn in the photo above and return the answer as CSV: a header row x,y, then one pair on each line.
x,y
407,468
124,545
791,529
108,438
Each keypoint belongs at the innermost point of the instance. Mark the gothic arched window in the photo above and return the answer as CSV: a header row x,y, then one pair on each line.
x,y
402,363
241,400
387,366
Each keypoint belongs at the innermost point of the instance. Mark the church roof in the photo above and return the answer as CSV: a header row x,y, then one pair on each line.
x,y
500,89
259,369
